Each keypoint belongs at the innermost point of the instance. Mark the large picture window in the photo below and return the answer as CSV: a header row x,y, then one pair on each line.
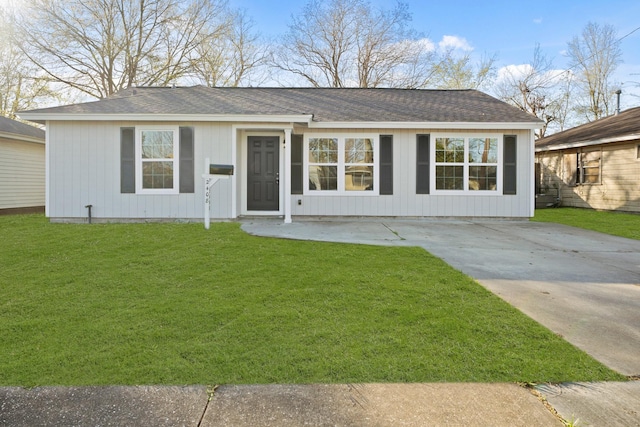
x,y
337,164
466,163
157,154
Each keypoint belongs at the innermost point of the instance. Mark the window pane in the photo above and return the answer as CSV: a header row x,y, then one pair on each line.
x,y
157,144
449,177
483,178
323,150
358,178
450,150
358,150
323,177
483,150
157,174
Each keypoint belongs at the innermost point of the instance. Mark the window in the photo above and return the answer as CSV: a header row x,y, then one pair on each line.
x,y
341,164
466,163
156,155
588,167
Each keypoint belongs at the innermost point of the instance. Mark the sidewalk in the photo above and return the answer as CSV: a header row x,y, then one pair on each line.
x,y
364,405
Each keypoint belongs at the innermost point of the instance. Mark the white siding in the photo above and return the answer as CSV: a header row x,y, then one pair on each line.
x,y
85,169
405,201
22,174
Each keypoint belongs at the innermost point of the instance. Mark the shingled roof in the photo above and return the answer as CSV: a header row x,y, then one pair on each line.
x,y
323,104
619,128
13,128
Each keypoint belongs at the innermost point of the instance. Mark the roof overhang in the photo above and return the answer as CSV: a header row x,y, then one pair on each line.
x,y
42,118
578,144
307,119
19,137
424,125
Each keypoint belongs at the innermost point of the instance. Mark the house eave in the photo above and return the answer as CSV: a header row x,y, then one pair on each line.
x,y
18,137
425,125
281,118
255,118
588,143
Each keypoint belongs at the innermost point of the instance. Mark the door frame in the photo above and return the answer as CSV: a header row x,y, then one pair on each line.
x,y
243,149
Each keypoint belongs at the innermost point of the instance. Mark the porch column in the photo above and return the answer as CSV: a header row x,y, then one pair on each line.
x,y
287,176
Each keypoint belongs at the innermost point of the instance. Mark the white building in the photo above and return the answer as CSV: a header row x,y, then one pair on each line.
x,y
295,152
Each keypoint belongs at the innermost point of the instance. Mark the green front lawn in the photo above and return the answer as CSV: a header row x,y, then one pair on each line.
x,y
176,304
615,223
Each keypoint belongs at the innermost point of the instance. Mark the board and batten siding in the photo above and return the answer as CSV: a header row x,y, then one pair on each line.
x,y
619,188
405,202
22,174
85,170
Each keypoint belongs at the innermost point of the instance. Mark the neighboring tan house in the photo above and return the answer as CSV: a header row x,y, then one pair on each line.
x,y
295,152
22,167
596,165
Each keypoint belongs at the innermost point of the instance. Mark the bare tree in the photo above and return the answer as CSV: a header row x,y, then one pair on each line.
x,y
537,88
594,56
21,86
459,72
101,46
231,57
347,43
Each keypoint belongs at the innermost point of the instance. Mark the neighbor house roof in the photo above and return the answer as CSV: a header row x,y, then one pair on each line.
x,y
315,106
622,127
13,129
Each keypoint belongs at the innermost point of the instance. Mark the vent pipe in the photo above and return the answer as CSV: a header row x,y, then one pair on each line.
x,y
618,92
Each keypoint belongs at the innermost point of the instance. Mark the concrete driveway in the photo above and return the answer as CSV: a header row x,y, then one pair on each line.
x,y
580,284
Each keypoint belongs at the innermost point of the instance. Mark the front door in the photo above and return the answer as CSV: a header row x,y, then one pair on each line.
x,y
263,173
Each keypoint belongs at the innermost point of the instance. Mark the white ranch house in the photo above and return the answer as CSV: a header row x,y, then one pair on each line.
x,y
295,152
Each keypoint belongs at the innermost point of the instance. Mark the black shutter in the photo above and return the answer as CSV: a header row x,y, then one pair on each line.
x,y
386,164
127,160
187,172
422,165
509,165
296,164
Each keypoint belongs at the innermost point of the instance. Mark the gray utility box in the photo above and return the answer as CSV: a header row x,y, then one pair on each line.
x,y
220,169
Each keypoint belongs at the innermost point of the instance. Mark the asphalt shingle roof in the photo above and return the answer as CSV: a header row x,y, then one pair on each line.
x,y
325,104
627,123
21,129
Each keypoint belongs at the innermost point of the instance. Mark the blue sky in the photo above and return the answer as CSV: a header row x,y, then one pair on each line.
x,y
509,29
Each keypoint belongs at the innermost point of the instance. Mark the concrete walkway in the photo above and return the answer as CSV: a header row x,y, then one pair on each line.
x,y
580,284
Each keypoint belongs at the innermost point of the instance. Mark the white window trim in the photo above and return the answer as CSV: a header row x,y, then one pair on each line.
x,y
176,160
466,191
341,165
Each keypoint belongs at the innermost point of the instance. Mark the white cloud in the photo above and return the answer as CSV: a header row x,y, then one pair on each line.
x,y
426,44
537,21
454,42
515,72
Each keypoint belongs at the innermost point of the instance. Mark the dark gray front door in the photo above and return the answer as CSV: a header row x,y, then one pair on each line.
x,y
263,173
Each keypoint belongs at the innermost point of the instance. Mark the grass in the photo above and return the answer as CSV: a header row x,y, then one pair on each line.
x,y
176,304
615,223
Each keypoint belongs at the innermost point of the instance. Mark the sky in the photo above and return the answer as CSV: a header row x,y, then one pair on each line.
x,y
508,29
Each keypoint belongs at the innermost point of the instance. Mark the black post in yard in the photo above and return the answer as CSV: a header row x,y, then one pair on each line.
x,y
89,208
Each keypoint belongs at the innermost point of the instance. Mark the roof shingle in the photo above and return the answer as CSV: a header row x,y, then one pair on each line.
x,y
627,123
325,104
17,128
